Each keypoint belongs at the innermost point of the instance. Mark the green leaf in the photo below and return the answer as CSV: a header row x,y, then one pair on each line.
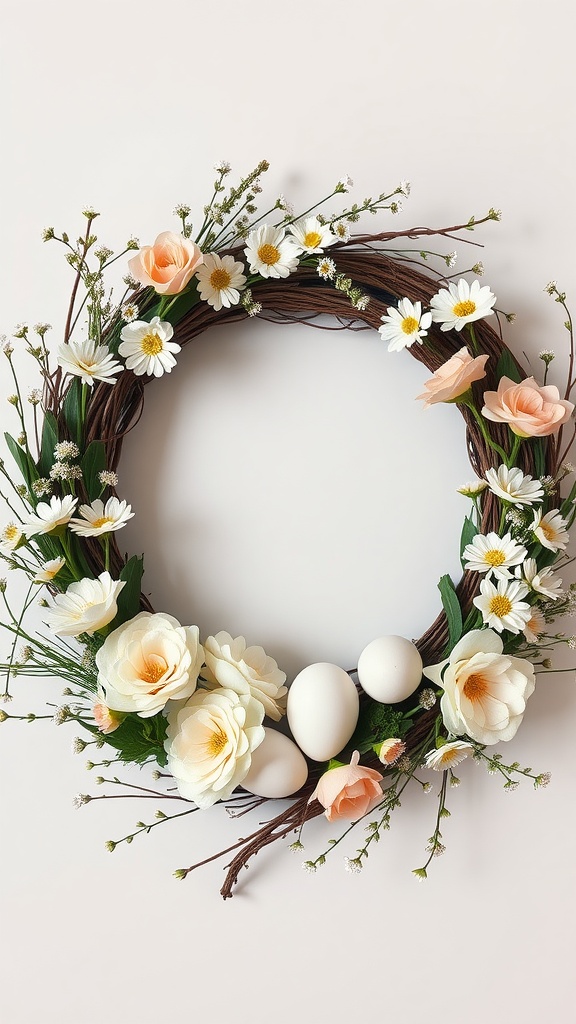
x,y
93,462
452,609
23,460
538,446
138,739
129,596
72,407
48,443
568,502
469,531
507,367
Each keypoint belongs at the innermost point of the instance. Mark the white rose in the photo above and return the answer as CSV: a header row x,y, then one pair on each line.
x,y
209,743
148,661
485,691
246,670
85,607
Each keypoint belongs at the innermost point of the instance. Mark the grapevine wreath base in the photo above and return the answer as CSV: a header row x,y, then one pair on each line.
x,y
373,267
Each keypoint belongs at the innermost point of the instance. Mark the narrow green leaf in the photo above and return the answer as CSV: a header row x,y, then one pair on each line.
x,y
93,462
568,502
507,367
539,456
72,407
23,460
48,443
129,596
451,606
469,531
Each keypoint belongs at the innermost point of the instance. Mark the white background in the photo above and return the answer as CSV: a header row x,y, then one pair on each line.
x,y
288,487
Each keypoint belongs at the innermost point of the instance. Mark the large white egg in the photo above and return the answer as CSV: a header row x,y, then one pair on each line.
x,y
278,768
322,709
390,669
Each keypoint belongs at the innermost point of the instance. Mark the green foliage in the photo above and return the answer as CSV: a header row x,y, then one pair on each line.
x,y
451,606
23,460
72,408
376,723
138,739
469,531
129,597
93,463
48,443
507,367
539,449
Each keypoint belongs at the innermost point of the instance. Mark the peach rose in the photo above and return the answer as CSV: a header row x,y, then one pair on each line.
x,y
348,791
529,410
167,265
453,378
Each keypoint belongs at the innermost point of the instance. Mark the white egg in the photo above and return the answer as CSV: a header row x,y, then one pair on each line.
x,y
390,669
278,768
322,709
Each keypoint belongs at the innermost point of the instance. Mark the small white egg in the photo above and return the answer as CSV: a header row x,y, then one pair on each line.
x,y
322,709
390,669
278,768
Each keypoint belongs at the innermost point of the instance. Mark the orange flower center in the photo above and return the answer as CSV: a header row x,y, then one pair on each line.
x,y
268,254
495,557
153,671
548,530
464,308
151,344
217,742
452,755
475,688
409,325
312,239
500,605
220,278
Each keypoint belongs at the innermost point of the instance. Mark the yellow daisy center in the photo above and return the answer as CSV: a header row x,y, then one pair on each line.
x,y
312,239
217,742
409,325
268,254
11,532
451,755
548,530
495,557
151,344
475,688
465,308
97,523
500,605
220,279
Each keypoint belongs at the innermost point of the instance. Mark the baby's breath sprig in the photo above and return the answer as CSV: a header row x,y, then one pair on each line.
x,y
495,765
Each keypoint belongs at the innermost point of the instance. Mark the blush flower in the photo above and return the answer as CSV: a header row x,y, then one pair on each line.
x,y
209,743
167,265
485,691
453,378
348,791
106,719
148,661
529,410
234,665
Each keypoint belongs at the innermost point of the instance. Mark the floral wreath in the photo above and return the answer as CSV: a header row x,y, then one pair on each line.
x,y
146,689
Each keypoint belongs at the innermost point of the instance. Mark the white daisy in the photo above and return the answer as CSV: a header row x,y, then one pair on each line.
x,y
147,347
49,570
89,361
326,268
341,230
448,755
10,538
311,236
50,517
460,304
404,325
512,486
220,280
550,529
541,581
535,626
86,606
473,488
502,606
98,518
270,253
494,554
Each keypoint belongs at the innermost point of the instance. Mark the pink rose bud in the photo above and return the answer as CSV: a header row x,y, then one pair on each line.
x,y
106,719
529,410
348,791
167,265
454,378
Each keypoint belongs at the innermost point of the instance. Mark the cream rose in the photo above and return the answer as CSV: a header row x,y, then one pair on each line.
x,y
85,607
529,410
148,661
247,670
485,691
209,742
167,265
453,378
